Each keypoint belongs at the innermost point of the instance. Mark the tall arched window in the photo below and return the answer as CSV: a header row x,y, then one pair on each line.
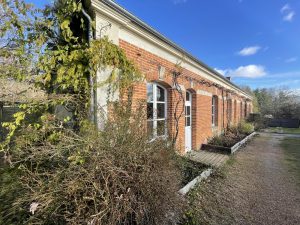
x,y
156,110
214,110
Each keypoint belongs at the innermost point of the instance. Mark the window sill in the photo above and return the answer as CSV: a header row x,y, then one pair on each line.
x,y
158,138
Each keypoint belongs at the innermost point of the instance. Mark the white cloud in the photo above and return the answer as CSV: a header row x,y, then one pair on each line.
x,y
288,13
251,50
179,1
249,71
289,17
285,8
290,60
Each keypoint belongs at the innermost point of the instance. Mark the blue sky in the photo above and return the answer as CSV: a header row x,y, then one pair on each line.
x,y
256,42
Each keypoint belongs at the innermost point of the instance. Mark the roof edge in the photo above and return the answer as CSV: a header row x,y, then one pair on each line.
x,y
158,35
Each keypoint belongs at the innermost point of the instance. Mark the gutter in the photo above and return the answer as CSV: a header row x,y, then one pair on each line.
x,y
152,31
93,106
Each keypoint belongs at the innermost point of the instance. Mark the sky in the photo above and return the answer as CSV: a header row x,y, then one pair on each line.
x,y
255,42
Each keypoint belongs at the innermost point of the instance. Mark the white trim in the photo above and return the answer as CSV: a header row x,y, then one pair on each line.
x,y
205,93
214,113
155,102
190,104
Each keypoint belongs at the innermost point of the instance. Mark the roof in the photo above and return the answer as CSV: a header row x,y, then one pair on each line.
x,y
158,35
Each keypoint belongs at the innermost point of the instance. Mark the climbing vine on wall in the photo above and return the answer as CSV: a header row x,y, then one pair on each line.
x,y
64,60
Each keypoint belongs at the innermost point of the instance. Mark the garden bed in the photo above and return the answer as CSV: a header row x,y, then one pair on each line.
x,y
192,184
190,170
229,149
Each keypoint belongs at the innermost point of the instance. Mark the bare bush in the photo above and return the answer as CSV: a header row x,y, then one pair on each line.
x,y
111,177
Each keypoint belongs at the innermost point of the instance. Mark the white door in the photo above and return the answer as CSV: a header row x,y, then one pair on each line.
x,y
188,122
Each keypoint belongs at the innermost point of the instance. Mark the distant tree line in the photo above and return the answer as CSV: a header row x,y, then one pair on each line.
x,y
278,102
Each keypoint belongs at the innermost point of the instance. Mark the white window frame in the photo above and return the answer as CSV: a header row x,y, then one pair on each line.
x,y
185,107
155,102
214,110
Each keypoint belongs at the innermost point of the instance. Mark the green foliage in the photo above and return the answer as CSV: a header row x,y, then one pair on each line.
x,y
291,148
124,73
280,103
66,62
245,128
13,39
232,135
227,140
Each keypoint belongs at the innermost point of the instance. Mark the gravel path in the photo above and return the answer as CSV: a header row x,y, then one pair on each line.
x,y
255,188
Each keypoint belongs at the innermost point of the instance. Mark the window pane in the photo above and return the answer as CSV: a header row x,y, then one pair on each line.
x,y
161,127
161,111
187,121
187,96
150,129
160,94
188,110
149,110
149,92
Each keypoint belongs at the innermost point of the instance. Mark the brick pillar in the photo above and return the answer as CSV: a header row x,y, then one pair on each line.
x,y
204,124
196,115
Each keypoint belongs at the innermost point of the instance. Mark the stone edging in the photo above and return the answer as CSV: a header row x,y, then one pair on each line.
x,y
203,176
239,144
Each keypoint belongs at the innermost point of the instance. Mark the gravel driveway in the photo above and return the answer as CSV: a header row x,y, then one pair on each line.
x,y
254,188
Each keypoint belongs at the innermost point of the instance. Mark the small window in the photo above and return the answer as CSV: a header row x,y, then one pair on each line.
x,y
214,109
156,110
187,96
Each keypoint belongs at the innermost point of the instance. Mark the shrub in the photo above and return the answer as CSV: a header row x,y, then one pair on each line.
x,y
232,135
225,140
110,177
245,128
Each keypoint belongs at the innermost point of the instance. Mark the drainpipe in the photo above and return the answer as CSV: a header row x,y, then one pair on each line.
x,y
93,103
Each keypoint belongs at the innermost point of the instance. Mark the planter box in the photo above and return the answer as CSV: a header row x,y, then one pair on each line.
x,y
227,150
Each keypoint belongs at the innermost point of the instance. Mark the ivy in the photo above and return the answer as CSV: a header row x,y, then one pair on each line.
x,y
56,47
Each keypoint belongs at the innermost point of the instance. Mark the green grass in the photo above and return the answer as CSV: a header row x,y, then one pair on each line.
x,y
291,148
284,130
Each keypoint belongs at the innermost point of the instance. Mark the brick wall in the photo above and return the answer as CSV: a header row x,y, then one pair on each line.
x,y
202,129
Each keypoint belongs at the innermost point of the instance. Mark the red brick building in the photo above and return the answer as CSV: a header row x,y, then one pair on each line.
x,y
211,101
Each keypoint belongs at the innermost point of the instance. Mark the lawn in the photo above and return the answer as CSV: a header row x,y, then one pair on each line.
x,y
284,130
291,148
